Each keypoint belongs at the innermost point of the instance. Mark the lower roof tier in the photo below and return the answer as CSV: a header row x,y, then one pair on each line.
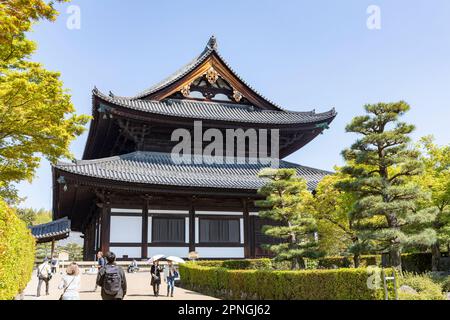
x,y
154,168
131,178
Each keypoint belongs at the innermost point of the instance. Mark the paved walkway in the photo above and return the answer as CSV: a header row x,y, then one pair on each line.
x,y
138,289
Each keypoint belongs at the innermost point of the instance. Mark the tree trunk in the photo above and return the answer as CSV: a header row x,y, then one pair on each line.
x,y
356,260
436,256
395,258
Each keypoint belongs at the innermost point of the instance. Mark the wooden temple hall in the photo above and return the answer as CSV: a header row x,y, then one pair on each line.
x,y
128,196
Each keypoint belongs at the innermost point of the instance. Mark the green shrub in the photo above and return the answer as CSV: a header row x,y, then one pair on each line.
x,y
248,264
335,262
426,288
16,253
339,284
446,284
347,262
242,264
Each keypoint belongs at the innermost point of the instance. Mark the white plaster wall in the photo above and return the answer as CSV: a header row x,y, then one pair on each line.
x,y
186,230
132,252
220,213
220,252
169,251
126,229
241,229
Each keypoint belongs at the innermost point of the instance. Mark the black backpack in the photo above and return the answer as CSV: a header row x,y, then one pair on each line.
x,y
112,280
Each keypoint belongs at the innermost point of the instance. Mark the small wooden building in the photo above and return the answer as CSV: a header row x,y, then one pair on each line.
x,y
128,195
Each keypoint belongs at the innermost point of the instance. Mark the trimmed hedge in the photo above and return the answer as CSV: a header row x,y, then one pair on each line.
x,y
337,284
242,264
417,262
17,247
411,262
347,262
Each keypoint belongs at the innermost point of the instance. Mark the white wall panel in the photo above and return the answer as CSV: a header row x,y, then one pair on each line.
x,y
186,230
220,252
197,230
131,252
241,229
126,229
221,213
151,211
169,251
126,210
149,230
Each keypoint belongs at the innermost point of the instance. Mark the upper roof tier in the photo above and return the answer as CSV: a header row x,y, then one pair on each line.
x,y
220,111
206,89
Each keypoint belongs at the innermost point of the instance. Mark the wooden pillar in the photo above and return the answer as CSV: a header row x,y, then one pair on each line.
x,y
247,241
144,248
105,228
192,226
52,252
85,244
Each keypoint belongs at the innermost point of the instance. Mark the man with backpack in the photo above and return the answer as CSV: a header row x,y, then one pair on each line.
x,y
112,279
44,273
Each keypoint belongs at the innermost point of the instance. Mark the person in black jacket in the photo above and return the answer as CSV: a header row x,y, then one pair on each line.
x,y
112,279
155,272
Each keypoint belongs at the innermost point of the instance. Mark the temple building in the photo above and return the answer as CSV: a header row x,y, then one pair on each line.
x,y
128,194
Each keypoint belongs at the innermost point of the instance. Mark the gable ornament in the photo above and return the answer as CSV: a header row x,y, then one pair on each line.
x,y
237,96
186,90
212,75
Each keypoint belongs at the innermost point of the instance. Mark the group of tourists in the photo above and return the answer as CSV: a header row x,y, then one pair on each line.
x,y
110,277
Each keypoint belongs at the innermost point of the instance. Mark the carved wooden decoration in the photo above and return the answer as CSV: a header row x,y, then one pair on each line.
x,y
186,90
212,75
237,96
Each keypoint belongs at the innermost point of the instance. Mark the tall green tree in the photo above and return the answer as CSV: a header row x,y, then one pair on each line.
x,y
436,179
382,165
332,209
286,202
37,116
33,217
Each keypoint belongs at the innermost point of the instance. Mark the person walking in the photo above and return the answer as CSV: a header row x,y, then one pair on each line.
x,y
155,272
112,279
54,264
70,283
44,273
101,262
170,274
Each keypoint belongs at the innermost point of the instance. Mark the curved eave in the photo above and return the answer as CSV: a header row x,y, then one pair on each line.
x,y
280,118
125,111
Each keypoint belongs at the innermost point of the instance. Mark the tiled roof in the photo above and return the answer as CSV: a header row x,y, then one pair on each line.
x,y
210,48
54,229
159,169
217,111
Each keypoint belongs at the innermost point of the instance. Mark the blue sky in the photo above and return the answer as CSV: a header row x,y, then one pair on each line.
x,y
301,54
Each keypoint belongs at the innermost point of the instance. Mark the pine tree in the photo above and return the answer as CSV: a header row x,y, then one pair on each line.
x,y
286,202
382,166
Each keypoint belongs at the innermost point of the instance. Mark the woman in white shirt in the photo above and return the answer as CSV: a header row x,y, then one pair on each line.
x,y
70,283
